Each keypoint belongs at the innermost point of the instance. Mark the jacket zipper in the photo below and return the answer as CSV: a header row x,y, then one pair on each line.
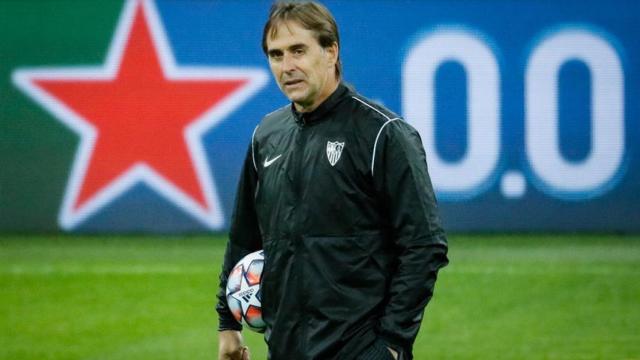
x,y
299,246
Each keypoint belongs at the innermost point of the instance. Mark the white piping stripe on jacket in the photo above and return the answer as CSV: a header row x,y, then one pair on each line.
x,y
375,144
253,155
373,154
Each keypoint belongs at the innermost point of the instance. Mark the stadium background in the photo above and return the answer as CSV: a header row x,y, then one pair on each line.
x,y
528,112
472,100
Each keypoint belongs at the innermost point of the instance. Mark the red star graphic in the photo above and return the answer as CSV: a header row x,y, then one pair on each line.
x,y
141,118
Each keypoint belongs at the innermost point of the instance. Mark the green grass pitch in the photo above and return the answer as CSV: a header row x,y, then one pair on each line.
x,y
502,297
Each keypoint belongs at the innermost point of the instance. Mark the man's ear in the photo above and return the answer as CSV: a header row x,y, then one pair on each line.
x,y
332,54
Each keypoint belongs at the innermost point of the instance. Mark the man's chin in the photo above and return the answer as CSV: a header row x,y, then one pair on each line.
x,y
293,93
298,98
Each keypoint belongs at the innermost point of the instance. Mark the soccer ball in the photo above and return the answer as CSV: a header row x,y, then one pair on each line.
x,y
243,291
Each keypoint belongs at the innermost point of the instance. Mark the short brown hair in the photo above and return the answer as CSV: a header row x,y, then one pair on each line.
x,y
310,15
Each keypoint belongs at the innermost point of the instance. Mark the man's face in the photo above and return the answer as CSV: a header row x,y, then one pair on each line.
x,y
303,69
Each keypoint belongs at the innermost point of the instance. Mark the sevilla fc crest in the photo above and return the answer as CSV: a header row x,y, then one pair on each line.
x,y
334,151
140,118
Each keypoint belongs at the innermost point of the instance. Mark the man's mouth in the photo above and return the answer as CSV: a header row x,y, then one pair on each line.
x,y
292,82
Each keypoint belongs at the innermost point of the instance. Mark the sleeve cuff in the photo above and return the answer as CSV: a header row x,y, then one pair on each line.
x,y
227,324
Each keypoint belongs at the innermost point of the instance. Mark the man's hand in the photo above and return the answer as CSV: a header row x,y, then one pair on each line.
x,y
393,353
231,346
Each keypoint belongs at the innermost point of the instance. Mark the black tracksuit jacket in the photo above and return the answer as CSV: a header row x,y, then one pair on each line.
x,y
352,248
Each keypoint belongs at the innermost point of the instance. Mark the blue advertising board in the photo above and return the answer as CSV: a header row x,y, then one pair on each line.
x,y
527,110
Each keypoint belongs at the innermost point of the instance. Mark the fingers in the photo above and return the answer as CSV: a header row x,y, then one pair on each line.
x,y
245,353
230,346
240,354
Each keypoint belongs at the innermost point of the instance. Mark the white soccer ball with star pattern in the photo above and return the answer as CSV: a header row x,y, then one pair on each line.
x,y
243,291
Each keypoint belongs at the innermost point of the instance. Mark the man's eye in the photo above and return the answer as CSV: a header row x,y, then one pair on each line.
x,y
298,52
275,57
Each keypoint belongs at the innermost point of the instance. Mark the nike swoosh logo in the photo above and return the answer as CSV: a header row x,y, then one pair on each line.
x,y
268,162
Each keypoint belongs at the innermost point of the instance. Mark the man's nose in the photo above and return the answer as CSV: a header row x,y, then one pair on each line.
x,y
288,63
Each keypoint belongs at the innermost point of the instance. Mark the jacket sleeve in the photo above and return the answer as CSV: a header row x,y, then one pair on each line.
x,y
402,179
244,237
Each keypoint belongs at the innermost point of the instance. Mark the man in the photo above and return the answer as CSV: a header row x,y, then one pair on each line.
x,y
335,190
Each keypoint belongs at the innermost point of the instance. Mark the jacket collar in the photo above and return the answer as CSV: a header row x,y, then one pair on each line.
x,y
319,113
